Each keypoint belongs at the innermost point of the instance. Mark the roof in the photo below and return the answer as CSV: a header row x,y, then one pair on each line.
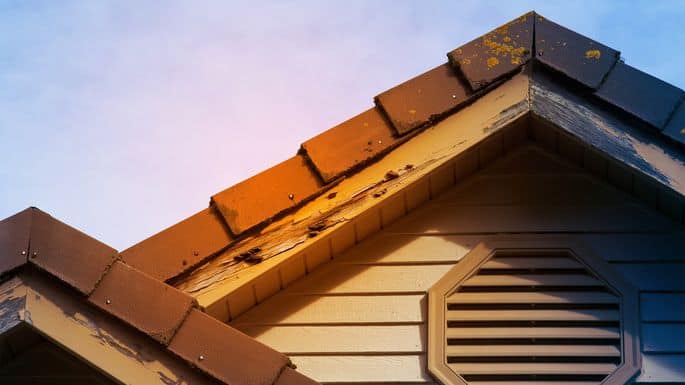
x,y
529,68
32,243
528,43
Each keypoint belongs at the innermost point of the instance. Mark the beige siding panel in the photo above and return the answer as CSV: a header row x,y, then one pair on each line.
x,y
372,279
665,247
564,189
534,332
315,310
362,339
662,307
417,194
533,297
392,209
654,276
666,368
364,369
292,270
397,248
663,338
530,160
535,350
454,219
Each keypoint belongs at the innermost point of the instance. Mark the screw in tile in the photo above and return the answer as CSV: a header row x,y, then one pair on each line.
x,y
454,96
540,52
23,252
201,358
380,142
196,253
291,196
108,302
34,255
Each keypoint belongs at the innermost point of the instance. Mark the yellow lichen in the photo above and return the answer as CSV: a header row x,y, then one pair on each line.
x,y
516,61
506,39
492,61
593,54
465,61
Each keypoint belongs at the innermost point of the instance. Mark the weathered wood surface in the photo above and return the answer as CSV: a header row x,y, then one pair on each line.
x,y
98,339
635,147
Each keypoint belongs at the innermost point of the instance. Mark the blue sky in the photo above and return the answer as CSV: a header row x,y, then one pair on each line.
x,y
122,118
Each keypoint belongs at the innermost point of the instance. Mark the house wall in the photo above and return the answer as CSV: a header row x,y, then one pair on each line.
x,y
362,317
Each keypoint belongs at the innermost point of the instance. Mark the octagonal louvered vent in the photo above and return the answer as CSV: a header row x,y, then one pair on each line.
x,y
528,311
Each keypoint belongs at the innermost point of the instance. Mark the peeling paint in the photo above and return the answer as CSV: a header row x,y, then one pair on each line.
x,y
627,144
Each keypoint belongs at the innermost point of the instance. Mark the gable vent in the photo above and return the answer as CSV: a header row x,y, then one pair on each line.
x,y
529,317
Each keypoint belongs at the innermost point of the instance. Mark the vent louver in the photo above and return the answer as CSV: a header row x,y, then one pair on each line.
x,y
533,315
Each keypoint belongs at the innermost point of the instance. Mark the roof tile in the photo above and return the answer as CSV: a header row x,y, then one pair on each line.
x,y
292,377
257,199
497,53
226,353
417,101
640,94
70,255
179,247
350,144
572,54
151,306
676,126
14,240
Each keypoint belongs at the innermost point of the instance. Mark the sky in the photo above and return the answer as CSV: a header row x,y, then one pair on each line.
x,y
122,118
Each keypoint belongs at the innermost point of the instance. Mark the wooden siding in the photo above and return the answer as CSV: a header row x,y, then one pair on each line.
x,y
362,317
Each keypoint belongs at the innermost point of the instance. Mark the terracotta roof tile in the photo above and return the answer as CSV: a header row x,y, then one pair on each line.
x,y
292,377
151,306
675,129
179,247
257,199
14,240
497,53
572,54
225,353
417,101
640,94
67,253
350,144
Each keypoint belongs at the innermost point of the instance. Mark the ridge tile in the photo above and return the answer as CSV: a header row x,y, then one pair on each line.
x,y
259,198
497,53
640,94
350,144
151,306
578,57
420,100
14,240
181,246
226,353
70,255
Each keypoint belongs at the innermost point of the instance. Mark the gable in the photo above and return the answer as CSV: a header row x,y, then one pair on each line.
x,y
362,318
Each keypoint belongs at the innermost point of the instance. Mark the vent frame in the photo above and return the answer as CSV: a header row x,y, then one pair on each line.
x,y
628,296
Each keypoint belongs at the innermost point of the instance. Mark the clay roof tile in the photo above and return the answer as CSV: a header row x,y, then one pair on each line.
x,y
67,253
576,56
259,198
226,353
419,101
151,306
181,246
497,53
350,144
14,240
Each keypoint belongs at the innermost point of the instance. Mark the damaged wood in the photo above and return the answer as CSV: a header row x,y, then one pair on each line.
x,y
317,222
96,338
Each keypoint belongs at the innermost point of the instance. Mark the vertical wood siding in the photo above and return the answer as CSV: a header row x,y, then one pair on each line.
x,y
362,317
